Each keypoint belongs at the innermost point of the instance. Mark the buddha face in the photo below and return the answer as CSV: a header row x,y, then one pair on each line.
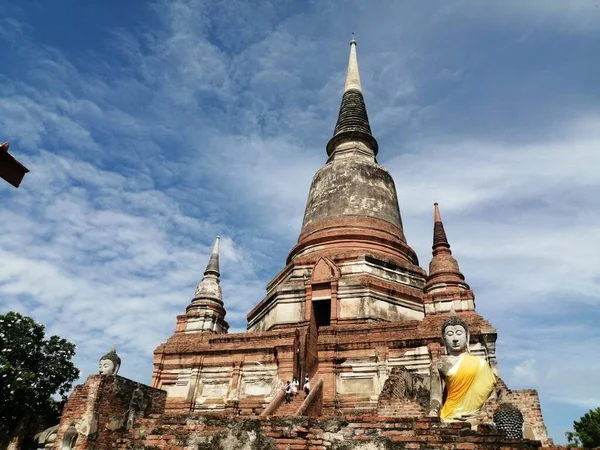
x,y
455,339
106,367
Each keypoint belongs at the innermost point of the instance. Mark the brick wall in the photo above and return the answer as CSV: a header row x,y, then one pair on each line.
x,y
311,359
528,402
404,394
104,406
204,433
400,408
76,408
116,413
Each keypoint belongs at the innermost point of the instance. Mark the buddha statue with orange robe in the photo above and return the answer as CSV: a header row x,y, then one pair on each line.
x,y
467,380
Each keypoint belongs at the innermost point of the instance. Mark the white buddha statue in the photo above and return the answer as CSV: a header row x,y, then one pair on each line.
x,y
467,380
110,363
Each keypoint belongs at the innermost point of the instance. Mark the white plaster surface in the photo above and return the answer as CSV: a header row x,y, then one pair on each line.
x,y
364,385
370,307
217,390
213,383
181,386
284,310
385,273
414,359
353,77
258,380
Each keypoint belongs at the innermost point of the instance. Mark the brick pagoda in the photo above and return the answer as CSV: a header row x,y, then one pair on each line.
x,y
352,308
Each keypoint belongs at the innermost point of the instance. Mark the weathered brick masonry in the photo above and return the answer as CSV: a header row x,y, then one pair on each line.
x,y
103,406
189,432
127,415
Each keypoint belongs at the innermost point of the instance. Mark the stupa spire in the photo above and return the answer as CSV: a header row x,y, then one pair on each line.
x,y
444,272
353,122
213,263
439,234
353,76
206,311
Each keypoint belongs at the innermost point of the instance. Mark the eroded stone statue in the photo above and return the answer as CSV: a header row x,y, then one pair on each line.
x,y
46,438
69,438
468,380
109,363
509,420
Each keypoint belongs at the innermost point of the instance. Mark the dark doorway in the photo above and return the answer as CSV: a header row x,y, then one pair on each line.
x,y
322,310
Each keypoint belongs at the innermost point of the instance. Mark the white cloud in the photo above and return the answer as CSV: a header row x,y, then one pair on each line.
x,y
526,372
99,261
573,17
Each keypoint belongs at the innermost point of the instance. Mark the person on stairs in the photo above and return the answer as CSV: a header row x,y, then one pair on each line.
x,y
288,392
306,385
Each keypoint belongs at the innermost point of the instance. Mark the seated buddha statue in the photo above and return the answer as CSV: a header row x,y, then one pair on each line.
x,y
467,380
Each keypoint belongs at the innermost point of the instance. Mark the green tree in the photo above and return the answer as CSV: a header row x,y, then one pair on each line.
x,y
587,430
32,370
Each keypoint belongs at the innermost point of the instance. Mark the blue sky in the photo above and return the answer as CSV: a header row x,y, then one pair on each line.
x,y
151,127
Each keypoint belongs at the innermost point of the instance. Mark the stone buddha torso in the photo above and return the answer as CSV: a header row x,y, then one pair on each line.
x,y
467,380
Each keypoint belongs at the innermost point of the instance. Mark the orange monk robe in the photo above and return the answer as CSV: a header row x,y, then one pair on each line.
x,y
469,384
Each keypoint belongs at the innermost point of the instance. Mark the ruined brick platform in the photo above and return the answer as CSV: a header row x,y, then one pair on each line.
x,y
364,433
116,413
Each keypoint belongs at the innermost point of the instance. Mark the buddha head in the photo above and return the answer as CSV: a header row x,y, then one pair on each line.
x,y
455,333
509,420
109,363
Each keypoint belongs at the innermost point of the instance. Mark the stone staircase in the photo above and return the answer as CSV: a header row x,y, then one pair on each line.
x,y
289,409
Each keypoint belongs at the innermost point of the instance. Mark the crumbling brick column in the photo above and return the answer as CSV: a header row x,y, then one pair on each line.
x,y
103,407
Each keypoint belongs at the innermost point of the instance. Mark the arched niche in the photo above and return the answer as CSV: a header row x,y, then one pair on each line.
x,y
325,275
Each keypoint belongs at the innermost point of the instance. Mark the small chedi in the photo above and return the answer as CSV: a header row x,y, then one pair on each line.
x,y
396,356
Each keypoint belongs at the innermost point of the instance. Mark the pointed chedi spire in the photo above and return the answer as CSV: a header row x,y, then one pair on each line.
x,y
353,76
439,234
444,273
206,312
352,219
353,122
213,263
352,191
